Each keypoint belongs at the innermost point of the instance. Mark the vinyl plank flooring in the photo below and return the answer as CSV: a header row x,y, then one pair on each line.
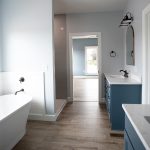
x,y
81,126
85,89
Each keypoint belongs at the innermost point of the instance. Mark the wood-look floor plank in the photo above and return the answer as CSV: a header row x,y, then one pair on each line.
x,y
85,89
81,126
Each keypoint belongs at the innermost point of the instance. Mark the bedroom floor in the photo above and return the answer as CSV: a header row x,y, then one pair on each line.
x,y
81,126
85,89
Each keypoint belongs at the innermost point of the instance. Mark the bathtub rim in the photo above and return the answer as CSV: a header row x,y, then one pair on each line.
x,y
10,114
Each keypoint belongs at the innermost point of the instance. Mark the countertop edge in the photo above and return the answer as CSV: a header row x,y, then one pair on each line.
x,y
114,83
135,127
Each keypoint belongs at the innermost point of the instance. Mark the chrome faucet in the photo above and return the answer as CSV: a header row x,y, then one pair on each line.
x,y
125,73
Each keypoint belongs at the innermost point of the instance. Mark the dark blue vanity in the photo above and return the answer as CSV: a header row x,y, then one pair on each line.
x,y
120,91
137,127
132,141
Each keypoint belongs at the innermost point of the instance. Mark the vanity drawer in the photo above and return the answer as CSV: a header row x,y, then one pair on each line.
x,y
135,140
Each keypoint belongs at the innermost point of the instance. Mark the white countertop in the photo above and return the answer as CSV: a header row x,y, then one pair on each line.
x,y
119,79
136,113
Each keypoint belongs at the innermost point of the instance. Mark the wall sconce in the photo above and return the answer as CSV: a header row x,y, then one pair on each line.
x,y
127,20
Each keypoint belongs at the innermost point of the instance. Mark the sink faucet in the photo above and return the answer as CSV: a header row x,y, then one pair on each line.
x,y
125,73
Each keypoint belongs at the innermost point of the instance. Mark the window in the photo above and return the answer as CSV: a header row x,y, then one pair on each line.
x,y
91,63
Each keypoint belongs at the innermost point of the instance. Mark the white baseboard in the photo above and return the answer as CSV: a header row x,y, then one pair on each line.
x,y
36,117
102,101
69,99
50,117
47,117
61,109
86,77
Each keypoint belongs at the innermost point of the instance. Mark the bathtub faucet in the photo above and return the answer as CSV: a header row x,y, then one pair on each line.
x,y
22,90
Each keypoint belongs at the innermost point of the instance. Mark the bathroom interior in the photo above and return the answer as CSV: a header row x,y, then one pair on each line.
x,y
41,75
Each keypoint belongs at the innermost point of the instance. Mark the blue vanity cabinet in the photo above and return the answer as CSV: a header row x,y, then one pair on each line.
x,y
108,97
127,142
116,95
132,141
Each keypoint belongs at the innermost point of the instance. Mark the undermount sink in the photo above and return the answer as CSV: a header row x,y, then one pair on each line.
x,y
117,76
147,118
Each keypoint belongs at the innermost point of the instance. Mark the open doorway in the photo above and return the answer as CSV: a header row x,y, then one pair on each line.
x,y
85,67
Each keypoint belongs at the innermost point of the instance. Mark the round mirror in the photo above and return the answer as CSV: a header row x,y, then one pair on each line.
x,y
130,59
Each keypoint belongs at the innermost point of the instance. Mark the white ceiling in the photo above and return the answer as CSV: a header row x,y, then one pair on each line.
x,y
87,6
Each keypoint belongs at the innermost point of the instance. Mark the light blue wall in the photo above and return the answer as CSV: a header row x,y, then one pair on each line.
x,y
79,54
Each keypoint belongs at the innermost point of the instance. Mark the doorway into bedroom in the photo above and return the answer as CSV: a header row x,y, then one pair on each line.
x,y
85,68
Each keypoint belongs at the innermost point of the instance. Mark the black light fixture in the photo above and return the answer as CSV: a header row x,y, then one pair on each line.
x,y
127,20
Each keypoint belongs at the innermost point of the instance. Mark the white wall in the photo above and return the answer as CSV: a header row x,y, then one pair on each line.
x,y
27,41
33,85
112,36
0,39
136,8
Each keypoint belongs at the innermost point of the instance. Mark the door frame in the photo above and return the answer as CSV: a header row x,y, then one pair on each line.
x,y
70,61
146,55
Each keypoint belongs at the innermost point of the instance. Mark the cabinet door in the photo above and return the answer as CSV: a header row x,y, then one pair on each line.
x,y
128,145
134,138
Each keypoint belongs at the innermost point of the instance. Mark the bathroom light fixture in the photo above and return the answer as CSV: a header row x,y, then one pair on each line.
x,y
127,20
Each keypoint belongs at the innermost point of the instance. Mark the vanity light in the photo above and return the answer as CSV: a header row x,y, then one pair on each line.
x,y
127,20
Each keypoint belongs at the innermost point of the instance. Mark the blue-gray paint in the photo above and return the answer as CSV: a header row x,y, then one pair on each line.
x,y
132,140
115,96
79,54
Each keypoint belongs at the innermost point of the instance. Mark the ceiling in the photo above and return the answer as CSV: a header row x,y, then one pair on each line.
x,y
88,6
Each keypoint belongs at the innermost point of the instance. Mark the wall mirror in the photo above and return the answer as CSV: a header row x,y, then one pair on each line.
x,y
130,54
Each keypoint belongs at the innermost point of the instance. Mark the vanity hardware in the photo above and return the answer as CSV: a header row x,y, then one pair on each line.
x,y
125,73
127,20
22,79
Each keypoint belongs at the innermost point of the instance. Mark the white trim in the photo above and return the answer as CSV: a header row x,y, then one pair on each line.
x,y
69,99
86,47
46,117
146,55
86,77
70,60
102,101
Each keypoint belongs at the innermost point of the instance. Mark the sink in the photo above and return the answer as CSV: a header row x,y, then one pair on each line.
x,y
117,76
147,118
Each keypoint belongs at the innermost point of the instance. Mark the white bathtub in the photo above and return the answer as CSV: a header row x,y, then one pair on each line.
x,y
14,111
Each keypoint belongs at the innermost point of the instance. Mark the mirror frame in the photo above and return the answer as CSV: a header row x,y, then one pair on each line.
x,y
130,26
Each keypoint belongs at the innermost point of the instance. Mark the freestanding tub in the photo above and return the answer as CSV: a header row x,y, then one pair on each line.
x,y
14,111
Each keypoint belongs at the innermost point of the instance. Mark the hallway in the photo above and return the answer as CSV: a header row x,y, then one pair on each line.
x,y
81,126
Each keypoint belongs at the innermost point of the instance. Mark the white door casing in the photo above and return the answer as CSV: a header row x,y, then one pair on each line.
x,y
146,56
70,65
